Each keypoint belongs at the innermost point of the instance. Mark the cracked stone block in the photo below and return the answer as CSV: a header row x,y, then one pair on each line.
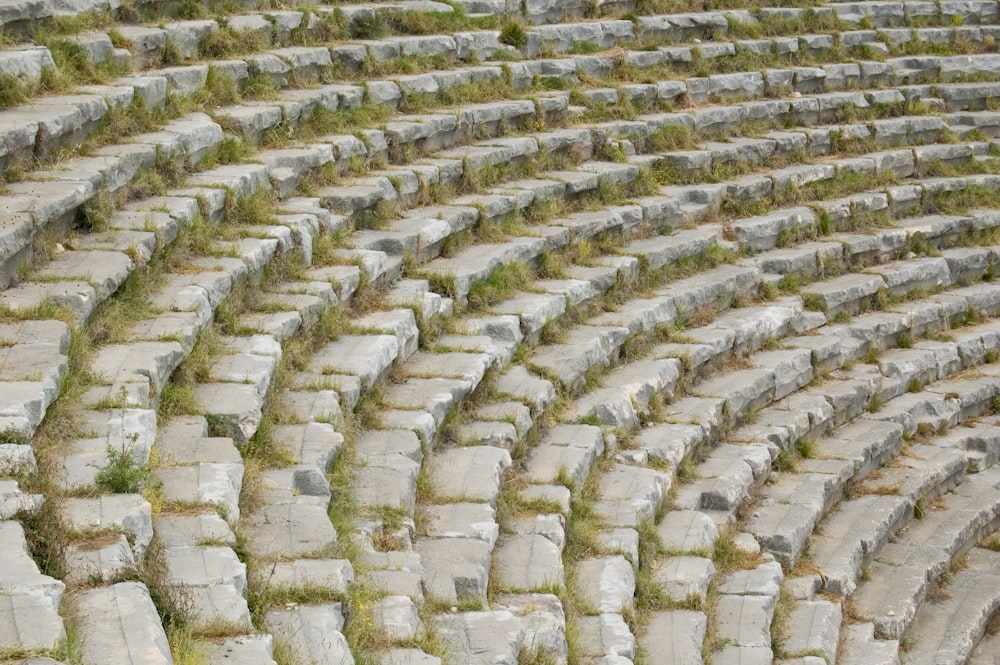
x,y
105,562
455,569
119,626
528,562
481,638
607,584
28,621
312,633
129,512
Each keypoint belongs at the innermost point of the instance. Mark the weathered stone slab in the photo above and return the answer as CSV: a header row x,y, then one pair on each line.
x,y
119,626
312,633
675,637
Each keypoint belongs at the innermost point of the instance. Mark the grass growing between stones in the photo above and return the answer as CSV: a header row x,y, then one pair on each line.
x,y
46,533
783,607
366,640
582,541
500,285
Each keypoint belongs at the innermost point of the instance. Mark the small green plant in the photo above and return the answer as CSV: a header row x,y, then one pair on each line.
x,y
513,34
805,448
785,461
123,473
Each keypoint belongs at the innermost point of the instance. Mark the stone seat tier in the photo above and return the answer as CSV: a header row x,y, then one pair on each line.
x,y
191,136
146,45
948,630
299,105
294,499
902,575
765,460
181,211
932,481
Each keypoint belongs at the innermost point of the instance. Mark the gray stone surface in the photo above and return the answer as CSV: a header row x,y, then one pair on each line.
x,y
687,531
472,473
119,625
250,649
528,562
106,562
399,618
606,584
764,580
947,631
312,633
814,628
129,512
468,520
745,620
455,569
849,539
859,647
290,530
28,621
481,638
685,577
675,637
332,574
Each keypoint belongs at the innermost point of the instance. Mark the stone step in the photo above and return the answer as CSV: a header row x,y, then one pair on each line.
x,y
948,630
23,579
675,637
157,136
860,646
985,650
725,478
766,461
904,573
291,53
813,629
585,348
119,624
214,581
34,364
436,383
628,391
792,506
185,37
311,632
564,456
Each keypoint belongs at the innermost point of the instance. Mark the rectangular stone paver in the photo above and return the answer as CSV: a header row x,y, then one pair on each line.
x,y
312,633
119,626
675,638
29,621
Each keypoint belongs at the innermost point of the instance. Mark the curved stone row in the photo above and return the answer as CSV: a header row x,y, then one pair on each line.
x,y
599,384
